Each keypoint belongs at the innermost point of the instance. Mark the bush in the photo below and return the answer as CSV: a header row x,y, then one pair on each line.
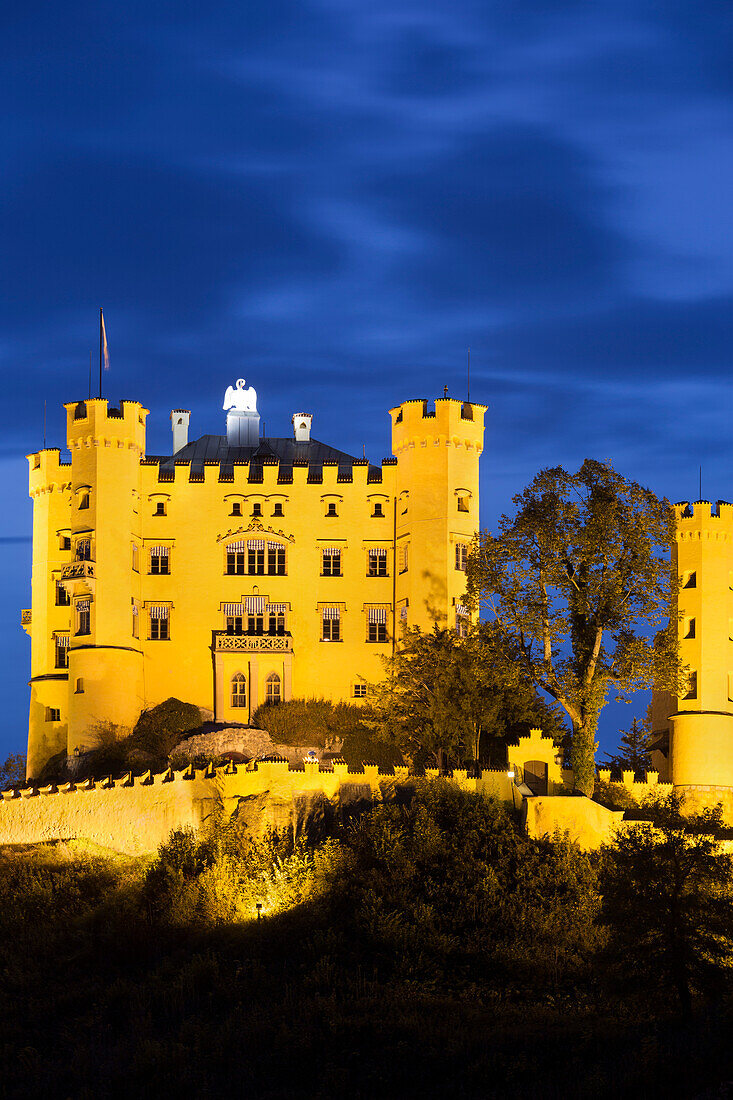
x,y
159,729
319,722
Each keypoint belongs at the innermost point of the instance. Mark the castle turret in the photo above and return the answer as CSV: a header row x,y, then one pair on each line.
x,y
701,721
437,505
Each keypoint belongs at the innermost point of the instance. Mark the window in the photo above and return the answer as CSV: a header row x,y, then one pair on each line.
x,y
159,508
463,504
377,563
272,689
255,624
377,510
689,628
135,621
691,692
276,618
689,580
135,559
331,625
461,624
62,650
62,596
234,624
377,624
159,631
256,557
331,509
277,510
83,617
235,559
83,501
404,503
331,566
404,557
276,559
360,691
159,560
236,509
65,542
84,550
239,691
79,685
53,714
257,510
461,556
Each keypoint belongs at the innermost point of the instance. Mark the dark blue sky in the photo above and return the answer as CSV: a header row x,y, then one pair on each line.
x,y
334,199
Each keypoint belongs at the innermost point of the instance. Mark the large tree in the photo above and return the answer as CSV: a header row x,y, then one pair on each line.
x,y
577,580
446,697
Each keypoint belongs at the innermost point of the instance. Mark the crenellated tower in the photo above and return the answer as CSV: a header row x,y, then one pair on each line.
x,y
437,503
700,723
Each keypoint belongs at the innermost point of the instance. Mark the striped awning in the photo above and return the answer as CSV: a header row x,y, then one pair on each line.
x,y
378,553
275,546
83,605
332,551
159,612
377,615
236,547
331,613
159,551
277,608
255,605
62,640
256,544
461,610
233,608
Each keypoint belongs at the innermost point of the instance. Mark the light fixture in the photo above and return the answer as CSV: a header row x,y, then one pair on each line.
x,y
259,910
510,775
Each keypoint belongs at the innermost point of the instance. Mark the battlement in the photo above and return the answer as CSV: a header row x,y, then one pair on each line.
x,y
701,513
46,471
95,422
458,422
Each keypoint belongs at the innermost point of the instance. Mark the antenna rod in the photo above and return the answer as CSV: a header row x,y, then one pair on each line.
x,y
90,375
468,379
101,324
44,425
700,497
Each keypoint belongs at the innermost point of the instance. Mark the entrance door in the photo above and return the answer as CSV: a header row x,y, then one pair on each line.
x,y
535,776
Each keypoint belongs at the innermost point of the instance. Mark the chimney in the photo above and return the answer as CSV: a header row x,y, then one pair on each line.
x,y
179,423
302,427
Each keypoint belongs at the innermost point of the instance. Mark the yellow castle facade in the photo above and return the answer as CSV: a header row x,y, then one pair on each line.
x,y
694,732
238,569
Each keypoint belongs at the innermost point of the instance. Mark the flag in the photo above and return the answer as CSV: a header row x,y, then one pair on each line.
x,y
103,340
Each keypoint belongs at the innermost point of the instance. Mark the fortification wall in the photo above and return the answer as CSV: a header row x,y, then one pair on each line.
x,y
135,814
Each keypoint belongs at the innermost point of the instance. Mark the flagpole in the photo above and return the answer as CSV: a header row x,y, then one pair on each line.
x,y
101,322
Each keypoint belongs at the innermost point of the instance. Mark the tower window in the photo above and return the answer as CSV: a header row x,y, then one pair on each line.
x,y
159,563
62,650
331,509
461,556
331,563
236,508
331,625
377,563
377,510
79,685
53,714
83,617
65,542
159,508
239,691
689,631
277,510
272,689
691,692
135,559
84,550
84,501
62,596
135,621
463,504
405,554
689,580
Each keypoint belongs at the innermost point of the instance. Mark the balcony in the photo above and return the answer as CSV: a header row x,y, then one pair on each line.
x,y
77,571
252,643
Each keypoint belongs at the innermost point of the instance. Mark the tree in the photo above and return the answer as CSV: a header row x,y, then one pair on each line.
x,y
575,580
442,693
12,772
634,753
668,898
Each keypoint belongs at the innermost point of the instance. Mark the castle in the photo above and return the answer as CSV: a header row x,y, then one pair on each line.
x,y
238,569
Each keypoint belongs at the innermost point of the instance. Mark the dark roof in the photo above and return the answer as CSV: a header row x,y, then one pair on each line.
x,y
270,451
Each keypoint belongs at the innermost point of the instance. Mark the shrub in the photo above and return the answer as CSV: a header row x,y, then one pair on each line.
x,y
319,721
159,729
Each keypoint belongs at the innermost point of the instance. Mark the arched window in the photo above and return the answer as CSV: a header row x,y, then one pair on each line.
x,y
239,691
272,688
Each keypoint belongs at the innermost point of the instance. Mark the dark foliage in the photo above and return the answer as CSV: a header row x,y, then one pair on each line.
x,y
323,723
159,729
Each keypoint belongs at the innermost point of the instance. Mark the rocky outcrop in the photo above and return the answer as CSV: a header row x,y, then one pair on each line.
x,y
252,744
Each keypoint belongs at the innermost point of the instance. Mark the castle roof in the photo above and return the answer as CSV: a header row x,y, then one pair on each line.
x,y
271,450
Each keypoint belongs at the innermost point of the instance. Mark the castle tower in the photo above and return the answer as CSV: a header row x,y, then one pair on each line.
x,y
85,515
701,721
437,506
